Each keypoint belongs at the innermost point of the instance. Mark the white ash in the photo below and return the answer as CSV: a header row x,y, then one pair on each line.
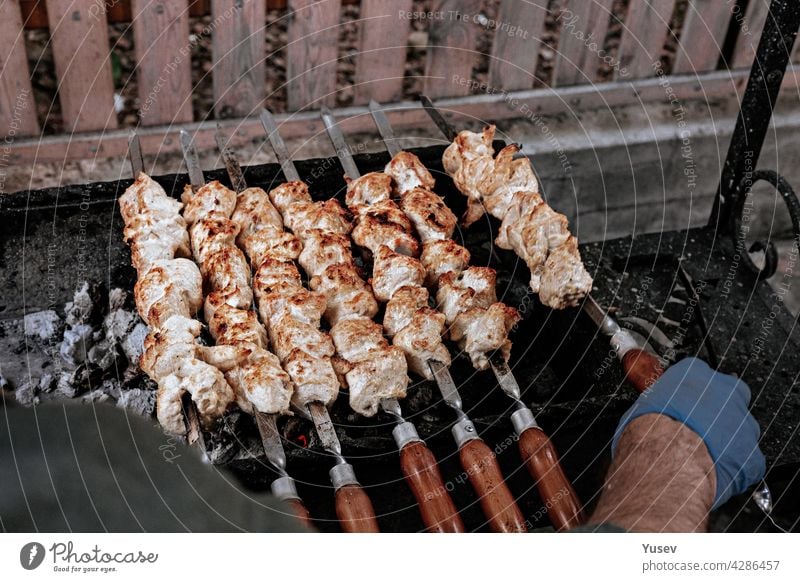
x,y
47,383
78,340
133,344
101,343
140,401
42,324
80,309
27,393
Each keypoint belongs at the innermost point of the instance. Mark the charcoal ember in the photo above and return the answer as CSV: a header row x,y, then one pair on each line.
x,y
97,396
78,340
82,307
27,393
420,397
119,322
65,386
80,380
47,383
43,324
133,344
224,441
112,387
103,355
140,401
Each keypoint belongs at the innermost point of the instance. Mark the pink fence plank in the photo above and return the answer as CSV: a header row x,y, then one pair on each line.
x,y
580,46
451,48
702,36
83,64
383,28
750,33
164,64
238,42
312,52
515,50
17,108
643,37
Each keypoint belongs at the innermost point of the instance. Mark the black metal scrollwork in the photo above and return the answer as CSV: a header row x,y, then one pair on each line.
x,y
739,232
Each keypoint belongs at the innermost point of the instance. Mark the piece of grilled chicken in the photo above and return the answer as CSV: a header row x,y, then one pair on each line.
x,y
369,366
168,294
465,295
397,275
507,188
291,312
259,381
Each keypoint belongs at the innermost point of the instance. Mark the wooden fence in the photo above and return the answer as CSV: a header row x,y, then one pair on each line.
x,y
705,31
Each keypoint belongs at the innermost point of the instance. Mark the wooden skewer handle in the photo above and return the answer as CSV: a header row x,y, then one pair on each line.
x,y
354,510
555,489
498,505
641,368
439,513
300,511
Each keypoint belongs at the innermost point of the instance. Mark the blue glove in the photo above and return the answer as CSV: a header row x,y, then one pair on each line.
x,y
714,405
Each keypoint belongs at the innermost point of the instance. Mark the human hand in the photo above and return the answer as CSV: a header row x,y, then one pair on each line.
x,y
715,406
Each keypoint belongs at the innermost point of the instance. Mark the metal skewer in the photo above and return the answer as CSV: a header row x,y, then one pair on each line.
x,y
476,457
283,487
342,474
641,368
417,462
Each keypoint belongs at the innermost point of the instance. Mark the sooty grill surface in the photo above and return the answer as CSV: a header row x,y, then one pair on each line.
x,y
55,239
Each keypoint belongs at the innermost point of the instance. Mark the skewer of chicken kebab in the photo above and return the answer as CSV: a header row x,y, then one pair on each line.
x,y
291,314
261,387
509,189
434,223
375,372
168,294
383,228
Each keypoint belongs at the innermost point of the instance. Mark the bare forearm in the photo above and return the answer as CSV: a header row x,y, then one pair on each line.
x,y
662,479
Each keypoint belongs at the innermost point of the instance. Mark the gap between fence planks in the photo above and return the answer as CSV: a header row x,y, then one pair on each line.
x,y
583,31
702,36
83,64
17,107
237,41
164,61
312,52
643,34
515,50
451,48
384,26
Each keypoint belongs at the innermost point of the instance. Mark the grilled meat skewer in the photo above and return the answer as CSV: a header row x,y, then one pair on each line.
x,y
375,371
386,231
261,386
558,277
168,294
434,223
507,188
291,314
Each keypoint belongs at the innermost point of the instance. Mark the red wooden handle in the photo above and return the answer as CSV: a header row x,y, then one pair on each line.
x,y
354,510
641,368
419,467
560,499
301,512
497,503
